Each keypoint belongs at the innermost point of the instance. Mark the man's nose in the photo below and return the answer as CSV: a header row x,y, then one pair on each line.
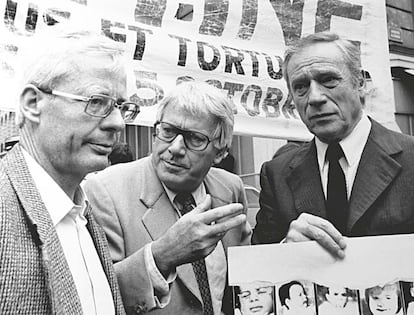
x,y
177,146
316,96
114,120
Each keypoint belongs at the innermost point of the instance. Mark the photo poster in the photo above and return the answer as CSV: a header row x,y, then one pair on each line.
x,y
237,45
375,278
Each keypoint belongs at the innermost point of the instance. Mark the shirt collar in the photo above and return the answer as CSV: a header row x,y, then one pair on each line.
x,y
352,145
56,201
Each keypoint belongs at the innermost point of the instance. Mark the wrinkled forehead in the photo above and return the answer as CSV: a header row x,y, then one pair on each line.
x,y
97,72
317,54
180,114
100,64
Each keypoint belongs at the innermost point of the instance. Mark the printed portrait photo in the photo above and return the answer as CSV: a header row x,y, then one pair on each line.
x,y
383,300
337,301
256,298
295,298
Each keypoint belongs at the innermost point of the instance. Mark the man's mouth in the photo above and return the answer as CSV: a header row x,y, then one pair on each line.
x,y
104,148
255,309
321,116
173,164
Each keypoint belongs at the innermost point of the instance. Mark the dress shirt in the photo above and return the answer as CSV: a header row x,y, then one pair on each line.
x,y
69,220
159,283
216,262
353,146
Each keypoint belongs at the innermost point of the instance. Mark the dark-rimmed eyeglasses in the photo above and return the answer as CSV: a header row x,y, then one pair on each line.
x,y
194,140
99,105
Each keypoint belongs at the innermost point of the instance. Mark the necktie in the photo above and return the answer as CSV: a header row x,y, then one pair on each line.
x,y
199,266
337,199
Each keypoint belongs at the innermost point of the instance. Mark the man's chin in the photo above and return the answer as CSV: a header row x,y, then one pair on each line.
x,y
98,163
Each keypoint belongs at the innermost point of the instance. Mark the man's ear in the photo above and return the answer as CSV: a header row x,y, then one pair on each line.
x,y
220,155
29,103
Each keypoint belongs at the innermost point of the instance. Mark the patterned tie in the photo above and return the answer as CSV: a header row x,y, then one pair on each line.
x,y
199,266
337,200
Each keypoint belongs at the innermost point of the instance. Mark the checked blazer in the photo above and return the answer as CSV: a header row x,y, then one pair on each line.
x,y
34,275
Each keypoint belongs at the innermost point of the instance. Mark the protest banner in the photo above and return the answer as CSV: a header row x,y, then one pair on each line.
x,y
237,45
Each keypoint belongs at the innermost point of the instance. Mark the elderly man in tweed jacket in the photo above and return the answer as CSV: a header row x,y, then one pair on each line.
x,y
53,255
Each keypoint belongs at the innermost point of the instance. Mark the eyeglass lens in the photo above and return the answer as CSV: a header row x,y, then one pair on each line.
x,y
100,105
193,140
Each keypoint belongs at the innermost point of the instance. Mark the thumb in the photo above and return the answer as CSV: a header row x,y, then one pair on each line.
x,y
204,206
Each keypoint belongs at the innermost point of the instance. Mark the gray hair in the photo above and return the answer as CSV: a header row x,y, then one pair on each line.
x,y
52,56
350,53
201,98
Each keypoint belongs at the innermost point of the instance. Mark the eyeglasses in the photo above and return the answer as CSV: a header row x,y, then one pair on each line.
x,y
194,140
244,295
99,105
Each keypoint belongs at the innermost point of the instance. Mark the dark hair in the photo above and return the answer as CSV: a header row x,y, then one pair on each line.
x,y
120,154
284,291
227,163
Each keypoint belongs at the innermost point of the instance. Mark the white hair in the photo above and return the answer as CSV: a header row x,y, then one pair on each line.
x,y
52,56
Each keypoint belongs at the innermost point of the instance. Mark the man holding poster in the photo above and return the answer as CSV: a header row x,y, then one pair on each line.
x,y
355,177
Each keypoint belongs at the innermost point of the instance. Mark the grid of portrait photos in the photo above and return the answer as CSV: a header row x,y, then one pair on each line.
x,y
299,297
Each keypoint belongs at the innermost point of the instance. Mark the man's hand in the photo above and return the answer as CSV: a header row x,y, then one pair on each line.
x,y
308,227
193,236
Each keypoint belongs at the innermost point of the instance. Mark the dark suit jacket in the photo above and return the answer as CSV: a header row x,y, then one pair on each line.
x,y
34,275
133,208
382,198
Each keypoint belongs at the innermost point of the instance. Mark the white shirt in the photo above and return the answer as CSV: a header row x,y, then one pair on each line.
x,y
216,263
353,146
80,253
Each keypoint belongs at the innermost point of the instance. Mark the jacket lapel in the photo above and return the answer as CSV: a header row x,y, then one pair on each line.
x,y
221,195
376,170
159,217
304,182
62,290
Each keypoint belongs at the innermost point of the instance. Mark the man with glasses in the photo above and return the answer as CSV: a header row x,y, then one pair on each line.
x,y
54,256
170,217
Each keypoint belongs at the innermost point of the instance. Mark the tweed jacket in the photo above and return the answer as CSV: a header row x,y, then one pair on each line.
x,y
381,201
34,275
133,208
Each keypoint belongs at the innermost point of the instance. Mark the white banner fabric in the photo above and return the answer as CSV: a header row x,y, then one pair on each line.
x,y
237,45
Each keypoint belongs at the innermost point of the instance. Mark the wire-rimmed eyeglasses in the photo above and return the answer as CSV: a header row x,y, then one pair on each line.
x,y
194,140
99,105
